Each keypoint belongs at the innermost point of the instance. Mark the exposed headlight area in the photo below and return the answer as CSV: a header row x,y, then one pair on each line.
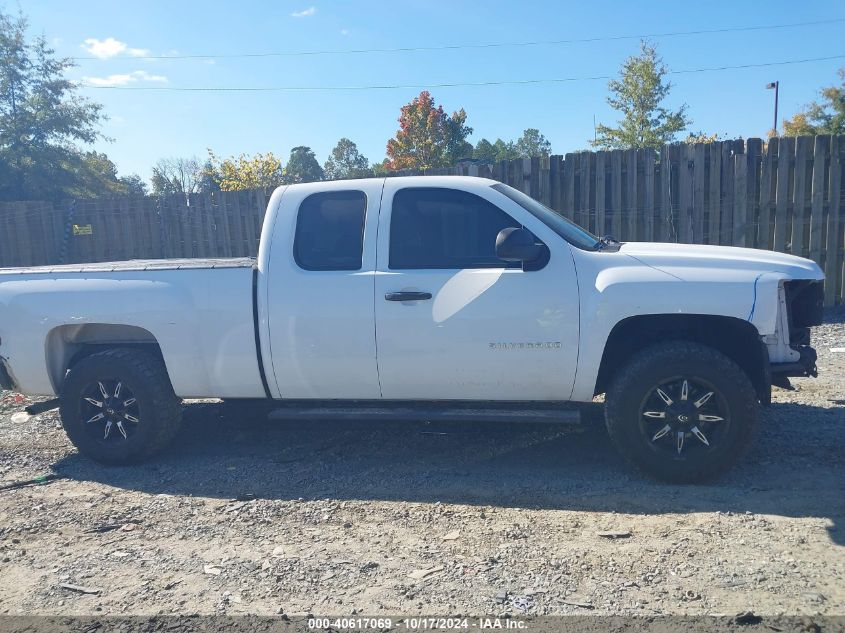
x,y
803,300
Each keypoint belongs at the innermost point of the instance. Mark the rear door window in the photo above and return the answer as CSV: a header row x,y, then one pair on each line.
x,y
330,231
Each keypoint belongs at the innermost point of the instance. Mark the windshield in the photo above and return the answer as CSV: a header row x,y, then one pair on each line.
x,y
569,231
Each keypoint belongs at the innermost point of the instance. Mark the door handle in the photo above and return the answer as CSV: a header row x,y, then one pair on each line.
x,y
407,296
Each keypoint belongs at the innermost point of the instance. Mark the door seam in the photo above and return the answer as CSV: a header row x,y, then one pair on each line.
x,y
375,273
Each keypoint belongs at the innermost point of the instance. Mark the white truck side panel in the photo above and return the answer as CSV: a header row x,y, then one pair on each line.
x,y
201,318
321,331
486,333
616,286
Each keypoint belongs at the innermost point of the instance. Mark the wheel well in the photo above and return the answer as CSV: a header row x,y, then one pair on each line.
x,y
735,338
66,345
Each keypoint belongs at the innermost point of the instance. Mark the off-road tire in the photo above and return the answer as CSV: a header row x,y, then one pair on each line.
x,y
160,410
631,384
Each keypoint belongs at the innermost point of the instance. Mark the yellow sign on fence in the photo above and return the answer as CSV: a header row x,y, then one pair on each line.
x,y
83,229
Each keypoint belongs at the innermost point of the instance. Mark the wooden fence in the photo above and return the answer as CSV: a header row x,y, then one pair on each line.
x,y
218,224
785,195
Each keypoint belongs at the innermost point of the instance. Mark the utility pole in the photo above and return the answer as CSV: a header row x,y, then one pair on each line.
x,y
775,85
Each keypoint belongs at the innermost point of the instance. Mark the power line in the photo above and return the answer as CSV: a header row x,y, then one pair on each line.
x,y
513,82
448,47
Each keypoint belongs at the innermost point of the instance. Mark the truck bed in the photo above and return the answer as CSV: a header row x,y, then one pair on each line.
x,y
200,312
135,264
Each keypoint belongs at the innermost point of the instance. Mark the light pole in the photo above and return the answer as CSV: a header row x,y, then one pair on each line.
x,y
775,85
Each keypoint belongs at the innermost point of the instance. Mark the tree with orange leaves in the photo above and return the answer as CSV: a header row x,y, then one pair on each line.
x,y
427,137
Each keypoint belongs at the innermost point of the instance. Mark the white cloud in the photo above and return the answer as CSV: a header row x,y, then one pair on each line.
x,y
110,47
344,31
305,13
124,79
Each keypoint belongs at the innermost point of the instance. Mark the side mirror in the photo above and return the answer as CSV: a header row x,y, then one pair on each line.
x,y
517,245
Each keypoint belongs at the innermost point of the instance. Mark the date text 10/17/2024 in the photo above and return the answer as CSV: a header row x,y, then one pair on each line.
x,y
415,623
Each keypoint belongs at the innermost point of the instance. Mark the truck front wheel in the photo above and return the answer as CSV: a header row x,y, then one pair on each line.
x,y
681,412
118,406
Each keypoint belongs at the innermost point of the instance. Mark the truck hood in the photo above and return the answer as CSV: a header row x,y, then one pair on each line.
x,y
697,261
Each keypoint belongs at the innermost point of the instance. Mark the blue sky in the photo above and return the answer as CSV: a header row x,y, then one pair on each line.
x,y
146,126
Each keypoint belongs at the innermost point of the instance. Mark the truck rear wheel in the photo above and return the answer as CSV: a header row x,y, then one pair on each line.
x,y
682,412
118,406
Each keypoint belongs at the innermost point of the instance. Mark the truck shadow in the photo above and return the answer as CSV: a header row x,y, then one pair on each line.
x,y
796,470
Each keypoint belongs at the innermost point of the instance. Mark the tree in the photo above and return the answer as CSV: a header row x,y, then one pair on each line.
x,y
347,162
262,171
827,117
488,152
484,151
381,169
92,174
638,95
41,119
427,137
210,178
134,184
505,150
457,131
532,144
176,175
302,166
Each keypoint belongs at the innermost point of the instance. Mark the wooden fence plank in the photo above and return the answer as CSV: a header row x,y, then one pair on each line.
x,y
632,210
786,152
648,196
124,228
797,240
666,198
821,152
616,193
714,194
685,194
569,186
768,179
599,223
154,228
740,214
753,149
24,234
38,218
585,187
535,175
726,181
553,194
699,185
221,201
170,228
197,217
236,225
834,288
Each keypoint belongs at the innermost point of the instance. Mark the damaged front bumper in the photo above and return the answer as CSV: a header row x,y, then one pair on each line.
x,y
804,367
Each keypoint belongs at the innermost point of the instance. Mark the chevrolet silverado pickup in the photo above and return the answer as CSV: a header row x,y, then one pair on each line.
x,y
428,294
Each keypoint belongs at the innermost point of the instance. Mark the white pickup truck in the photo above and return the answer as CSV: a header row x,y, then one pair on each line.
x,y
428,296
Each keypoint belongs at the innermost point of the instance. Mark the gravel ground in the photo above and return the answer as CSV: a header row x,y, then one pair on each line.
x,y
245,515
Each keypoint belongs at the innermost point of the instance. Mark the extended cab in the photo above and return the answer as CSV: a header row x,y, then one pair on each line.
x,y
433,292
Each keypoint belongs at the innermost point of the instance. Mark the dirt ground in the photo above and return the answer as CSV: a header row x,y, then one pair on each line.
x,y
246,515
